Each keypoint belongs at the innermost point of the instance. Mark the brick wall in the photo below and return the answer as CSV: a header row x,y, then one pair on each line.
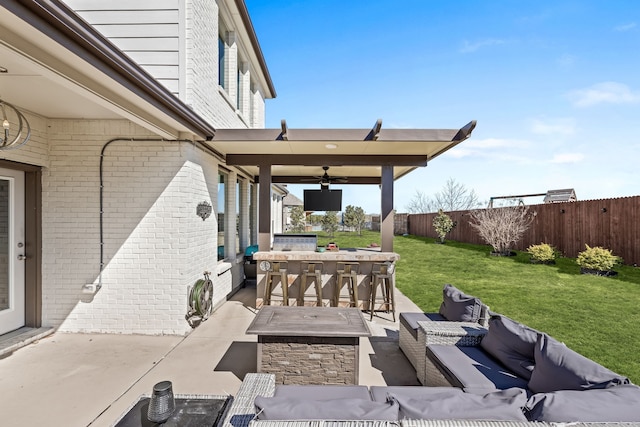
x,y
155,244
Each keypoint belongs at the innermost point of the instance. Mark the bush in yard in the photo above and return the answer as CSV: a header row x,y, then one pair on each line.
x,y
542,253
597,259
329,222
354,217
443,224
297,219
501,227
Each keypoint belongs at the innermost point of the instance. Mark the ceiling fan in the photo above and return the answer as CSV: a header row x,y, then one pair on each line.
x,y
326,180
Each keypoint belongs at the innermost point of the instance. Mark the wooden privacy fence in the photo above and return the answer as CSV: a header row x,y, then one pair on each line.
x,y
610,223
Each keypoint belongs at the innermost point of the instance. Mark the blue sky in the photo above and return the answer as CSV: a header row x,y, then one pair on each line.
x,y
554,86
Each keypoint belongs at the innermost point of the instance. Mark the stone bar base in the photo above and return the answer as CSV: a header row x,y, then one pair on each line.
x,y
309,360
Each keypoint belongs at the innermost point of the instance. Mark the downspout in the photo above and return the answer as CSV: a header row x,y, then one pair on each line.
x,y
200,144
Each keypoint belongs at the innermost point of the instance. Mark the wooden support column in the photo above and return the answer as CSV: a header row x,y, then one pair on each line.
x,y
386,209
264,209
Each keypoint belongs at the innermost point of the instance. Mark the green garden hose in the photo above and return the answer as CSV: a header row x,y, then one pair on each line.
x,y
200,301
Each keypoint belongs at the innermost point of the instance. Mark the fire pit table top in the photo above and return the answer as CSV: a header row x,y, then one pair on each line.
x,y
309,321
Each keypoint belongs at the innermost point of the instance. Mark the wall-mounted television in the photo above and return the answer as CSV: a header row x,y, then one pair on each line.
x,y
323,200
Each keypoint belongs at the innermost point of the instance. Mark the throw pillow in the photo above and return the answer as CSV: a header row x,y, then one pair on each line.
x,y
614,404
504,405
289,408
560,368
458,307
512,344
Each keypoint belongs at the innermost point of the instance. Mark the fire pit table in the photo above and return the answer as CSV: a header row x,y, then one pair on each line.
x,y
309,345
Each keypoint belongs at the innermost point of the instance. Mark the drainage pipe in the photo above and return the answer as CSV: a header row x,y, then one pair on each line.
x,y
200,144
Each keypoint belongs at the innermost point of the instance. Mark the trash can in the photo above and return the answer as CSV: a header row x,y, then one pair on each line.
x,y
250,273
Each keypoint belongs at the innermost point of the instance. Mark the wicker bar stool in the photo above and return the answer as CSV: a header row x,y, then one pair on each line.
x,y
314,271
382,275
278,270
347,271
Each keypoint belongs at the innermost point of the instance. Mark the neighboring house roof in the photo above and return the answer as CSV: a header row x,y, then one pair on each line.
x,y
291,200
557,196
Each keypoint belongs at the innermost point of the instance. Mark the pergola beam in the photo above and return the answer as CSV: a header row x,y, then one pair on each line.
x,y
375,132
327,160
374,180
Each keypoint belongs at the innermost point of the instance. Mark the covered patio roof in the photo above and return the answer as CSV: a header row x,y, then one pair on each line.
x,y
356,156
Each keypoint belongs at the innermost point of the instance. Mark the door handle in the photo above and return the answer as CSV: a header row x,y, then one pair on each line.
x,y
22,257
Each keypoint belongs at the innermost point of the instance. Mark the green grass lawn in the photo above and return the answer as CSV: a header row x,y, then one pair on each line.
x,y
595,316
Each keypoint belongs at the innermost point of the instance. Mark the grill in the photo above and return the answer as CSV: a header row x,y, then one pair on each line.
x,y
295,242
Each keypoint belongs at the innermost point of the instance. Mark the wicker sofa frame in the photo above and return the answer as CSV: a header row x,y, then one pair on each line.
x,y
416,348
241,413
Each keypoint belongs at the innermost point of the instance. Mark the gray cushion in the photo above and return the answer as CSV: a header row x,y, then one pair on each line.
x,y
511,343
380,393
505,405
472,368
614,404
323,392
410,320
560,368
458,307
289,408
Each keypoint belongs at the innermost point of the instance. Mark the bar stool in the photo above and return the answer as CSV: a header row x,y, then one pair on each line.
x,y
277,269
314,271
382,275
347,271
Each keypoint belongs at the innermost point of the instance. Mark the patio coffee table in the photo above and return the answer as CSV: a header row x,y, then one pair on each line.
x,y
309,345
191,411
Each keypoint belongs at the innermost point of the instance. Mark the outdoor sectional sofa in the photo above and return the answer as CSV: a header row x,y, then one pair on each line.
x,y
503,374
452,349
261,403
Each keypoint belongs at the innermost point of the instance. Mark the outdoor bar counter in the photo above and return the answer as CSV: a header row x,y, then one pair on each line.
x,y
296,261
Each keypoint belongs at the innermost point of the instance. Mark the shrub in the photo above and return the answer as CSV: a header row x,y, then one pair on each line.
x,y
501,227
443,224
597,258
543,253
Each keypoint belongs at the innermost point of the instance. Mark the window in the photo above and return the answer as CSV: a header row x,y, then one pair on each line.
x,y
239,229
221,58
252,216
238,90
222,201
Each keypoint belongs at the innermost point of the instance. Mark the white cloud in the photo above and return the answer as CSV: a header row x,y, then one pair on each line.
x,y
495,148
566,60
625,27
606,92
492,143
477,147
568,158
468,47
553,127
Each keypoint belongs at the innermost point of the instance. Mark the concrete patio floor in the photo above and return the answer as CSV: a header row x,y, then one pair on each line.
x,y
91,379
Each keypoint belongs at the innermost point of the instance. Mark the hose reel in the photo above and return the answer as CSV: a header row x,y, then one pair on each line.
x,y
200,301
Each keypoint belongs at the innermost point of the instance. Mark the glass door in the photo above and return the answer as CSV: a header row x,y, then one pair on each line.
x,y
12,253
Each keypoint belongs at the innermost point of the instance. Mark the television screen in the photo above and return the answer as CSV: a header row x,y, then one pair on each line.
x,y
323,200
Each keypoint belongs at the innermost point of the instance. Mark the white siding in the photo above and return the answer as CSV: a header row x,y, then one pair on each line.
x,y
148,31
157,34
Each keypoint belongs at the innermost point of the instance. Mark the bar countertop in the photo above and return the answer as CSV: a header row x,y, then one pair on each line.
x,y
360,254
